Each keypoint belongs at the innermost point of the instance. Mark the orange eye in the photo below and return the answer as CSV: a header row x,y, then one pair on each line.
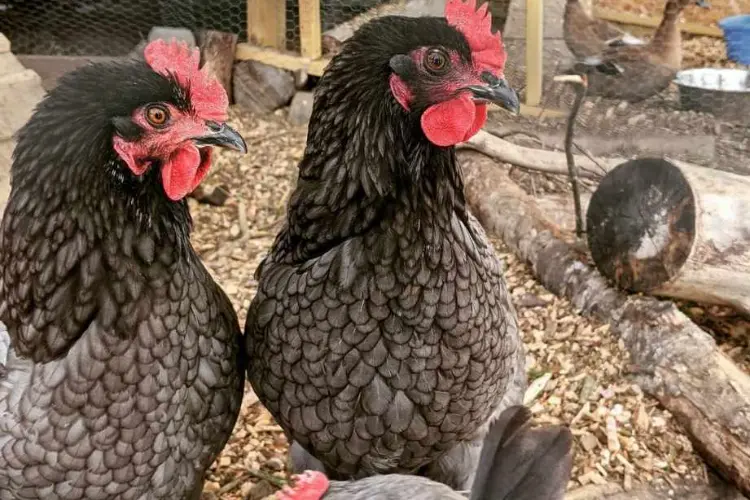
x,y
436,60
157,115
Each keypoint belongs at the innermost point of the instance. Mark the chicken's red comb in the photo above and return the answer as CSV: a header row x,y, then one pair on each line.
x,y
176,60
310,485
487,49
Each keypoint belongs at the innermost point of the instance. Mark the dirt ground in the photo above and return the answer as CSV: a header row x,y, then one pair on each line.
x,y
621,435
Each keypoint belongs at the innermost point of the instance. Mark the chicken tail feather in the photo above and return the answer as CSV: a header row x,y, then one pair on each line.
x,y
522,463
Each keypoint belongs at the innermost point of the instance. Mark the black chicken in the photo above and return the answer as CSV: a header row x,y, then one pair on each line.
x,y
517,462
122,363
382,336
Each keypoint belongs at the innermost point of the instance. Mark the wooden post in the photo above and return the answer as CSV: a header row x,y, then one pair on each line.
x,y
309,28
534,54
266,23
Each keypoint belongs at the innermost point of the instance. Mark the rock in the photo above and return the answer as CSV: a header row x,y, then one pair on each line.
x,y
589,441
261,491
530,300
167,33
246,488
260,88
587,388
300,109
635,120
275,464
217,197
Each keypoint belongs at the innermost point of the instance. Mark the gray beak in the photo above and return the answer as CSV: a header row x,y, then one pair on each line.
x,y
703,4
496,91
222,135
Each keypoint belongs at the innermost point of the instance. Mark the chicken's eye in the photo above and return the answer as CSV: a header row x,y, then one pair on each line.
x,y
436,60
157,115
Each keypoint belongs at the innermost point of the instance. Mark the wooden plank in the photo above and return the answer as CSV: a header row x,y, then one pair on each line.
x,y
631,19
285,60
534,52
266,23
310,29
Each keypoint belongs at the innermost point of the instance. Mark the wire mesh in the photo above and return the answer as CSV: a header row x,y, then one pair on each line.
x,y
690,121
687,101
108,27
115,27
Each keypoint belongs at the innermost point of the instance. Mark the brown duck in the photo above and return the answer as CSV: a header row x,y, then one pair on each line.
x,y
636,72
586,37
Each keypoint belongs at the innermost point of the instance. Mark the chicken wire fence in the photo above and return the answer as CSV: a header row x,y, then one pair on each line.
x,y
702,120
690,122
115,27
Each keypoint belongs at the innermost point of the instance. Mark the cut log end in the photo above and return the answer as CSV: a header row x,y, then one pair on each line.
x,y
641,224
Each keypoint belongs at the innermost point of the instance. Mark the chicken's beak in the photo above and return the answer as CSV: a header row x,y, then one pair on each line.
x,y
222,135
497,91
703,4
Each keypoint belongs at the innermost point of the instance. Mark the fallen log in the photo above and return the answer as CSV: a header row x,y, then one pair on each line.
x,y
673,229
698,148
673,360
549,162
217,55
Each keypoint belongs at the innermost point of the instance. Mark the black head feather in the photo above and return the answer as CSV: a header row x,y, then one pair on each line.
x,y
366,157
65,149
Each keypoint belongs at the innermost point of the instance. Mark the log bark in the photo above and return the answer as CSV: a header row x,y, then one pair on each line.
x,y
698,148
675,230
673,360
616,150
550,162
217,53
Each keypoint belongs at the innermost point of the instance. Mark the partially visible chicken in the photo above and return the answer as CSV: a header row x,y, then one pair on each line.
x,y
518,462
636,72
587,37
382,335
121,369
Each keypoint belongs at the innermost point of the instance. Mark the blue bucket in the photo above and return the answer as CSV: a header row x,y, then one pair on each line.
x,y
737,36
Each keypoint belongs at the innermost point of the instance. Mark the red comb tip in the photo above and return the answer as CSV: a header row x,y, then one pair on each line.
x,y
310,485
487,49
177,60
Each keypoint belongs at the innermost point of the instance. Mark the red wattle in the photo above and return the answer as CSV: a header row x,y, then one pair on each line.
x,y
184,170
449,122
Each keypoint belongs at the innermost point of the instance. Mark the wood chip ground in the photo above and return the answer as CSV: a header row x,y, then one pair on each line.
x,y
578,371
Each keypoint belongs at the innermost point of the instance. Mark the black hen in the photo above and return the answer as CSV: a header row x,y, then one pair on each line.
x,y
382,334
518,462
121,369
